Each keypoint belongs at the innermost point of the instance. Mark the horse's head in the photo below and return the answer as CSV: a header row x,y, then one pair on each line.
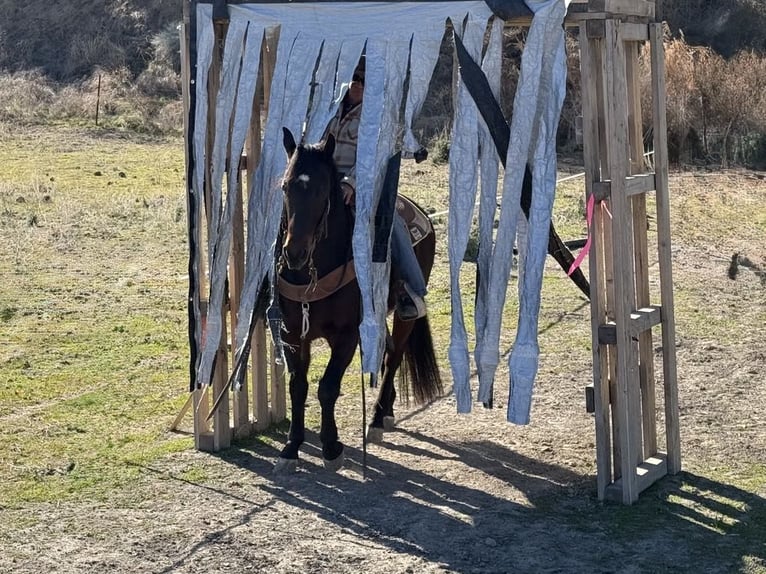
x,y
309,182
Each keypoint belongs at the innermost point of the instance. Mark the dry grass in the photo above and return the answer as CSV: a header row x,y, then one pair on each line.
x,y
149,104
715,106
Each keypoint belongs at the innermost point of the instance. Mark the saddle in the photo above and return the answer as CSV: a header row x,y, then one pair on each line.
x,y
415,219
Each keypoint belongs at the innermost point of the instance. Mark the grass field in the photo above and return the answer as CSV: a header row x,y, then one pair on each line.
x,y
94,351
94,363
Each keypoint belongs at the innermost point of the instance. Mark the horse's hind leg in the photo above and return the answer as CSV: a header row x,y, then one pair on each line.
x,y
384,409
383,418
297,363
343,348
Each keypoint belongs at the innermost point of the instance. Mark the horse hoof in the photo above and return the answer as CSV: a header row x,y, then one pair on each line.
x,y
374,435
335,464
389,423
286,466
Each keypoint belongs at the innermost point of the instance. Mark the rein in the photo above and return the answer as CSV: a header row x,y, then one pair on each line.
x,y
320,232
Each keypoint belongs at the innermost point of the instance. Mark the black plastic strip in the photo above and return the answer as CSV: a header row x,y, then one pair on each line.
x,y
384,214
192,201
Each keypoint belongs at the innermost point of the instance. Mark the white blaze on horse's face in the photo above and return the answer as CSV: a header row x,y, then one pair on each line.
x,y
304,178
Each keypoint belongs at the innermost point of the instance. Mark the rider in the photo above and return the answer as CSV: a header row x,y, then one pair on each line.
x,y
411,290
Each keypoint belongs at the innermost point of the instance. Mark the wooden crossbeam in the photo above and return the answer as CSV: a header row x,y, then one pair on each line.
x,y
634,185
644,475
641,320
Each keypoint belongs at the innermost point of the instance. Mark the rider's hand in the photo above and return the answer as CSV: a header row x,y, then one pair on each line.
x,y
348,193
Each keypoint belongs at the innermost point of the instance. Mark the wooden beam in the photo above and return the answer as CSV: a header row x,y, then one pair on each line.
x,y
633,31
259,356
641,8
616,8
221,423
278,391
590,70
260,378
182,413
673,435
641,320
241,413
640,249
627,403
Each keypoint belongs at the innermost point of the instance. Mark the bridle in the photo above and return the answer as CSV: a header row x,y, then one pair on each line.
x,y
320,232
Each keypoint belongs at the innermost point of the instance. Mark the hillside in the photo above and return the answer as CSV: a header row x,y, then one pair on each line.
x,y
68,39
726,27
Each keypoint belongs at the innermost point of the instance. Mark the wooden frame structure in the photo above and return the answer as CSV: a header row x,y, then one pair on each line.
x,y
623,394
622,312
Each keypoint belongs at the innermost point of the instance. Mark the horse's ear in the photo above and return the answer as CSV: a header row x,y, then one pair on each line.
x,y
289,141
329,146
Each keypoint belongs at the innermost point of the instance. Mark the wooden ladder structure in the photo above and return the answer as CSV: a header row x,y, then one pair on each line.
x,y
262,399
624,395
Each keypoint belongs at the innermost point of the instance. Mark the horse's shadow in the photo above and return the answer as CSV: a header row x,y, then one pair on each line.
x,y
553,522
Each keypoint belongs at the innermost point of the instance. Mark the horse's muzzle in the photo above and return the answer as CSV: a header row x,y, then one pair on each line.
x,y
295,256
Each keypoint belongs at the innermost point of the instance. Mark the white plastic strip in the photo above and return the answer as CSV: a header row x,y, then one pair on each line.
x,y
384,83
242,120
265,198
489,162
546,42
220,230
423,57
205,39
463,178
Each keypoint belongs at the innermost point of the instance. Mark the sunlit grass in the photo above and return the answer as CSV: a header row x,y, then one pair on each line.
x,y
93,350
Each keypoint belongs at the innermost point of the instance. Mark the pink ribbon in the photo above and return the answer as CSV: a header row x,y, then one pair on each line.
x,y
584,251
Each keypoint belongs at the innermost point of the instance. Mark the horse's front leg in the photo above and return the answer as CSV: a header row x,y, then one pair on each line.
x,y
298,360
342,352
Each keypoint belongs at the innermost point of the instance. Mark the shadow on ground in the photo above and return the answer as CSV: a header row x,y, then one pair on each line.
x,y
551,523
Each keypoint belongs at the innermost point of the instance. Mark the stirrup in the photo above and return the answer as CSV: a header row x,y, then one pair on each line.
x,y
409,305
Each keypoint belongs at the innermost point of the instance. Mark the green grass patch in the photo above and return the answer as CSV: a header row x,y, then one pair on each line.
x,y
94,360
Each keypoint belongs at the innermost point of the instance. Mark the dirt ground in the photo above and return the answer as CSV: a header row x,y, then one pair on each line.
x,y
469,493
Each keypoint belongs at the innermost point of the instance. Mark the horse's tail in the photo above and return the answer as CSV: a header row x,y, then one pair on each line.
x,y
424,376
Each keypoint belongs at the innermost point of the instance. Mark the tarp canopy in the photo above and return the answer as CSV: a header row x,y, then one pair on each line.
x,y
319,45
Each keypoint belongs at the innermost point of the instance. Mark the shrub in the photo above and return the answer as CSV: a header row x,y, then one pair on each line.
x,y
440,146
713,104
24,94
30,97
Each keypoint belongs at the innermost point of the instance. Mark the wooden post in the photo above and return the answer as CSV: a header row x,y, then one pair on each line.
x,y
590,56
672,430
260,378
259,356
641,255
221,423
278,409
241,414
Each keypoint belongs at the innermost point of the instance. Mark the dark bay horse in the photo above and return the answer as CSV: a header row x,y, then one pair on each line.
x,y
319,298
